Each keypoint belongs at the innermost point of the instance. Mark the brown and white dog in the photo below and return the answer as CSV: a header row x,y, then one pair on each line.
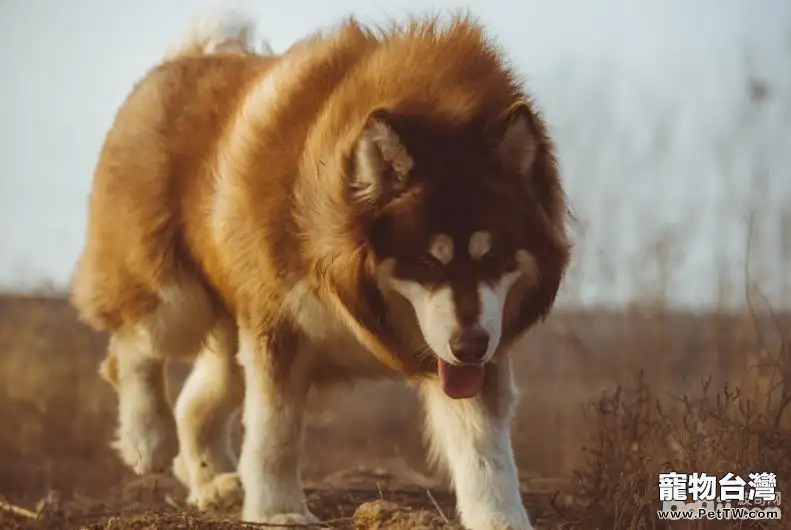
x,y
369,204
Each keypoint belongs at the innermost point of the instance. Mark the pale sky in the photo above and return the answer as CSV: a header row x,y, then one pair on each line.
x,y
648,101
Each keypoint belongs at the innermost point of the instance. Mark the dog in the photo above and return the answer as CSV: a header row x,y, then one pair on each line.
x,y
371,203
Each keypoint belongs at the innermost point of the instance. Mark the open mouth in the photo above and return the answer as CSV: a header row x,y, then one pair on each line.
x,y
461,381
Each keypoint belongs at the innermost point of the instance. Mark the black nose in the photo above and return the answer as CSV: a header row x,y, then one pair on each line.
x,y
469,345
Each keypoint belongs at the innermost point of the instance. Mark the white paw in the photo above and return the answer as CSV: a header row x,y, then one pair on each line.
x,y
148,450
515,519
222,490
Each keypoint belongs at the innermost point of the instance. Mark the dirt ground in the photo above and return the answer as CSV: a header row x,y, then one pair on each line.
x,y
364,465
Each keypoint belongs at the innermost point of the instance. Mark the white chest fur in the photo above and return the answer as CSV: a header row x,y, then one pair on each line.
x,y
336,352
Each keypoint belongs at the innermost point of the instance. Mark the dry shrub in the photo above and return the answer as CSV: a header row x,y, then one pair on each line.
x,y
639,431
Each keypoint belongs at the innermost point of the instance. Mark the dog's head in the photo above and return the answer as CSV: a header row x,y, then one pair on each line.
x,y
466,223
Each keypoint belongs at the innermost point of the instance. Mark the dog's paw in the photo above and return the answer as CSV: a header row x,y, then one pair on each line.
x,y
223,490
514,521
147,450
290,519
302,517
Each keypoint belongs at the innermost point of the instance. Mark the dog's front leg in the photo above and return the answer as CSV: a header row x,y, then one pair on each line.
x,y
471,437
277,380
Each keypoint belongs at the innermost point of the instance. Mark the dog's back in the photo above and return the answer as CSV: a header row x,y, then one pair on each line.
x,y
156,157
209,109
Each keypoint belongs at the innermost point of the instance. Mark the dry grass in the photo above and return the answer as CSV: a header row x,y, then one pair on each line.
x,y
731,416
610,400
637,433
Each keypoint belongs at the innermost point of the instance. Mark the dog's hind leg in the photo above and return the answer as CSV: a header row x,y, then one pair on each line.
x,y
137,355
146,437
471,437
205,411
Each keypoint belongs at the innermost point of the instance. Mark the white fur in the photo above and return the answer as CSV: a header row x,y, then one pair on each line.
x,y
441,247
335,343
492,307
218,31
181,322
146,434
205,411
436,312
273,408
471,438
146,437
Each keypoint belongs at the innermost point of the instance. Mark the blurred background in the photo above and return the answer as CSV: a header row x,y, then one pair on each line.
x,y
671,117
673,125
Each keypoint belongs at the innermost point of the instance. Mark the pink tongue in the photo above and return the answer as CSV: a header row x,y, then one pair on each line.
x,y
460,382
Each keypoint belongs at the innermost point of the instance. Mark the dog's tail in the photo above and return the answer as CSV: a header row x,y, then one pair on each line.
x,y
218,32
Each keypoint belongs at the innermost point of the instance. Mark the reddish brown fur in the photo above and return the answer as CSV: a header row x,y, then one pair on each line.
x,y
249,205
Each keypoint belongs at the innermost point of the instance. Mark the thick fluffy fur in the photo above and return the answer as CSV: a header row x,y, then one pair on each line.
x,y
347,209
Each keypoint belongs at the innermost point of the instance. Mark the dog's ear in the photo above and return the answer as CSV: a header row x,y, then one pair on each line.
x,y
516,138
381,163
